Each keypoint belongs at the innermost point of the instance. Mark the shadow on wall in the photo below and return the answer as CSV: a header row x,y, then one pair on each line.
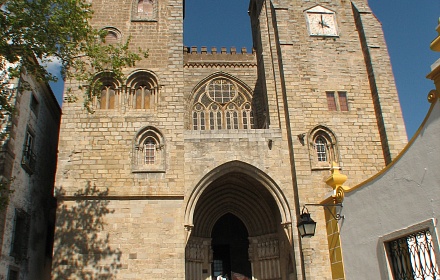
x,y
81,249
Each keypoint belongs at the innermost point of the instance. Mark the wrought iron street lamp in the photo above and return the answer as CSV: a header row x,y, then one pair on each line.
x,y
306,224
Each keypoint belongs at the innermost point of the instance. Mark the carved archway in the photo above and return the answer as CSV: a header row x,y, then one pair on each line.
x,y
247,193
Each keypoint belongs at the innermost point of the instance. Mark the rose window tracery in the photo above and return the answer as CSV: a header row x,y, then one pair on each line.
x,y
222,104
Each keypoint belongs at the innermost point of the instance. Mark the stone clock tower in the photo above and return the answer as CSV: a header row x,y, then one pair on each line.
x,y
198,163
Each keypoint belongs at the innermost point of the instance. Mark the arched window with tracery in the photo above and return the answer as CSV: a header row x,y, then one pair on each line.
x,y
232,117
113,35
322,147
111,38
107,100
143,90
144,10
149,148
215,117
149,151
248,116
141,100
222,103
107,90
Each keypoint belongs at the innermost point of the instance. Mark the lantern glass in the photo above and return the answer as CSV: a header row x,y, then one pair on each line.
x,y
306,225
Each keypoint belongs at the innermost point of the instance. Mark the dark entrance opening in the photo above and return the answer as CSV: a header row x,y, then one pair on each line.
x,y
230,245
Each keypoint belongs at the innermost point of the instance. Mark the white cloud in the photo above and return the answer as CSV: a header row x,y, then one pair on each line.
x,y
54,67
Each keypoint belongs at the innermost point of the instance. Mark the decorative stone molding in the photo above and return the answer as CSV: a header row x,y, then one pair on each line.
x,y
264,247
144,10
195,251
148,151
330,147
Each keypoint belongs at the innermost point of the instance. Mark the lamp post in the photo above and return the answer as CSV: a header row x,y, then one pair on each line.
x,y
306,224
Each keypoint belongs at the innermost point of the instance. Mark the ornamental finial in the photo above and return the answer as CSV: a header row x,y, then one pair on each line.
x,y
435,44
335,181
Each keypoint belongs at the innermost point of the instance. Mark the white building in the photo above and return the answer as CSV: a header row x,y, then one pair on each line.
x,y
390,230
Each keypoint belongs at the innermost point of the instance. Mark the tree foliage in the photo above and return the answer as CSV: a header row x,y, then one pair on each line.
x,y
35,33
56,30
4,193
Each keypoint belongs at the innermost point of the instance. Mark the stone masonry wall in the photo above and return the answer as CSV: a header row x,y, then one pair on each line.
x,y
96,153
305,67
142,213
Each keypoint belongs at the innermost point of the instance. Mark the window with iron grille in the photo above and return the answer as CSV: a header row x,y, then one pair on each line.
x,y
34,104
20,235
28,158
13,273
413,257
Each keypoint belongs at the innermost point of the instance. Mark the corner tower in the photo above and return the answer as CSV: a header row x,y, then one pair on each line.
x,y
329,87
126,156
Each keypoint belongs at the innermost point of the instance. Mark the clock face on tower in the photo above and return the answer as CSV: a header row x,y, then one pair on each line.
x,y
321,22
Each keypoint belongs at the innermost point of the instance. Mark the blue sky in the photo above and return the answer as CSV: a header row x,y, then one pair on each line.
x,y
409,27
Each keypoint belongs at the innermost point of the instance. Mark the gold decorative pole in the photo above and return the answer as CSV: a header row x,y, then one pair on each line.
x,y
335,181
435,45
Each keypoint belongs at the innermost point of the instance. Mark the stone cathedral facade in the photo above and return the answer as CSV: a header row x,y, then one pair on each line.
x,y
200,161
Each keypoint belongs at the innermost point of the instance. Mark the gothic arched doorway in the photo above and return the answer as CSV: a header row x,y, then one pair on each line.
x,y
239,221
230,246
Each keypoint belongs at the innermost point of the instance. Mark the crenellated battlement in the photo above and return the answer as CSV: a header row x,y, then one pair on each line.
x,y
193,57
223,50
